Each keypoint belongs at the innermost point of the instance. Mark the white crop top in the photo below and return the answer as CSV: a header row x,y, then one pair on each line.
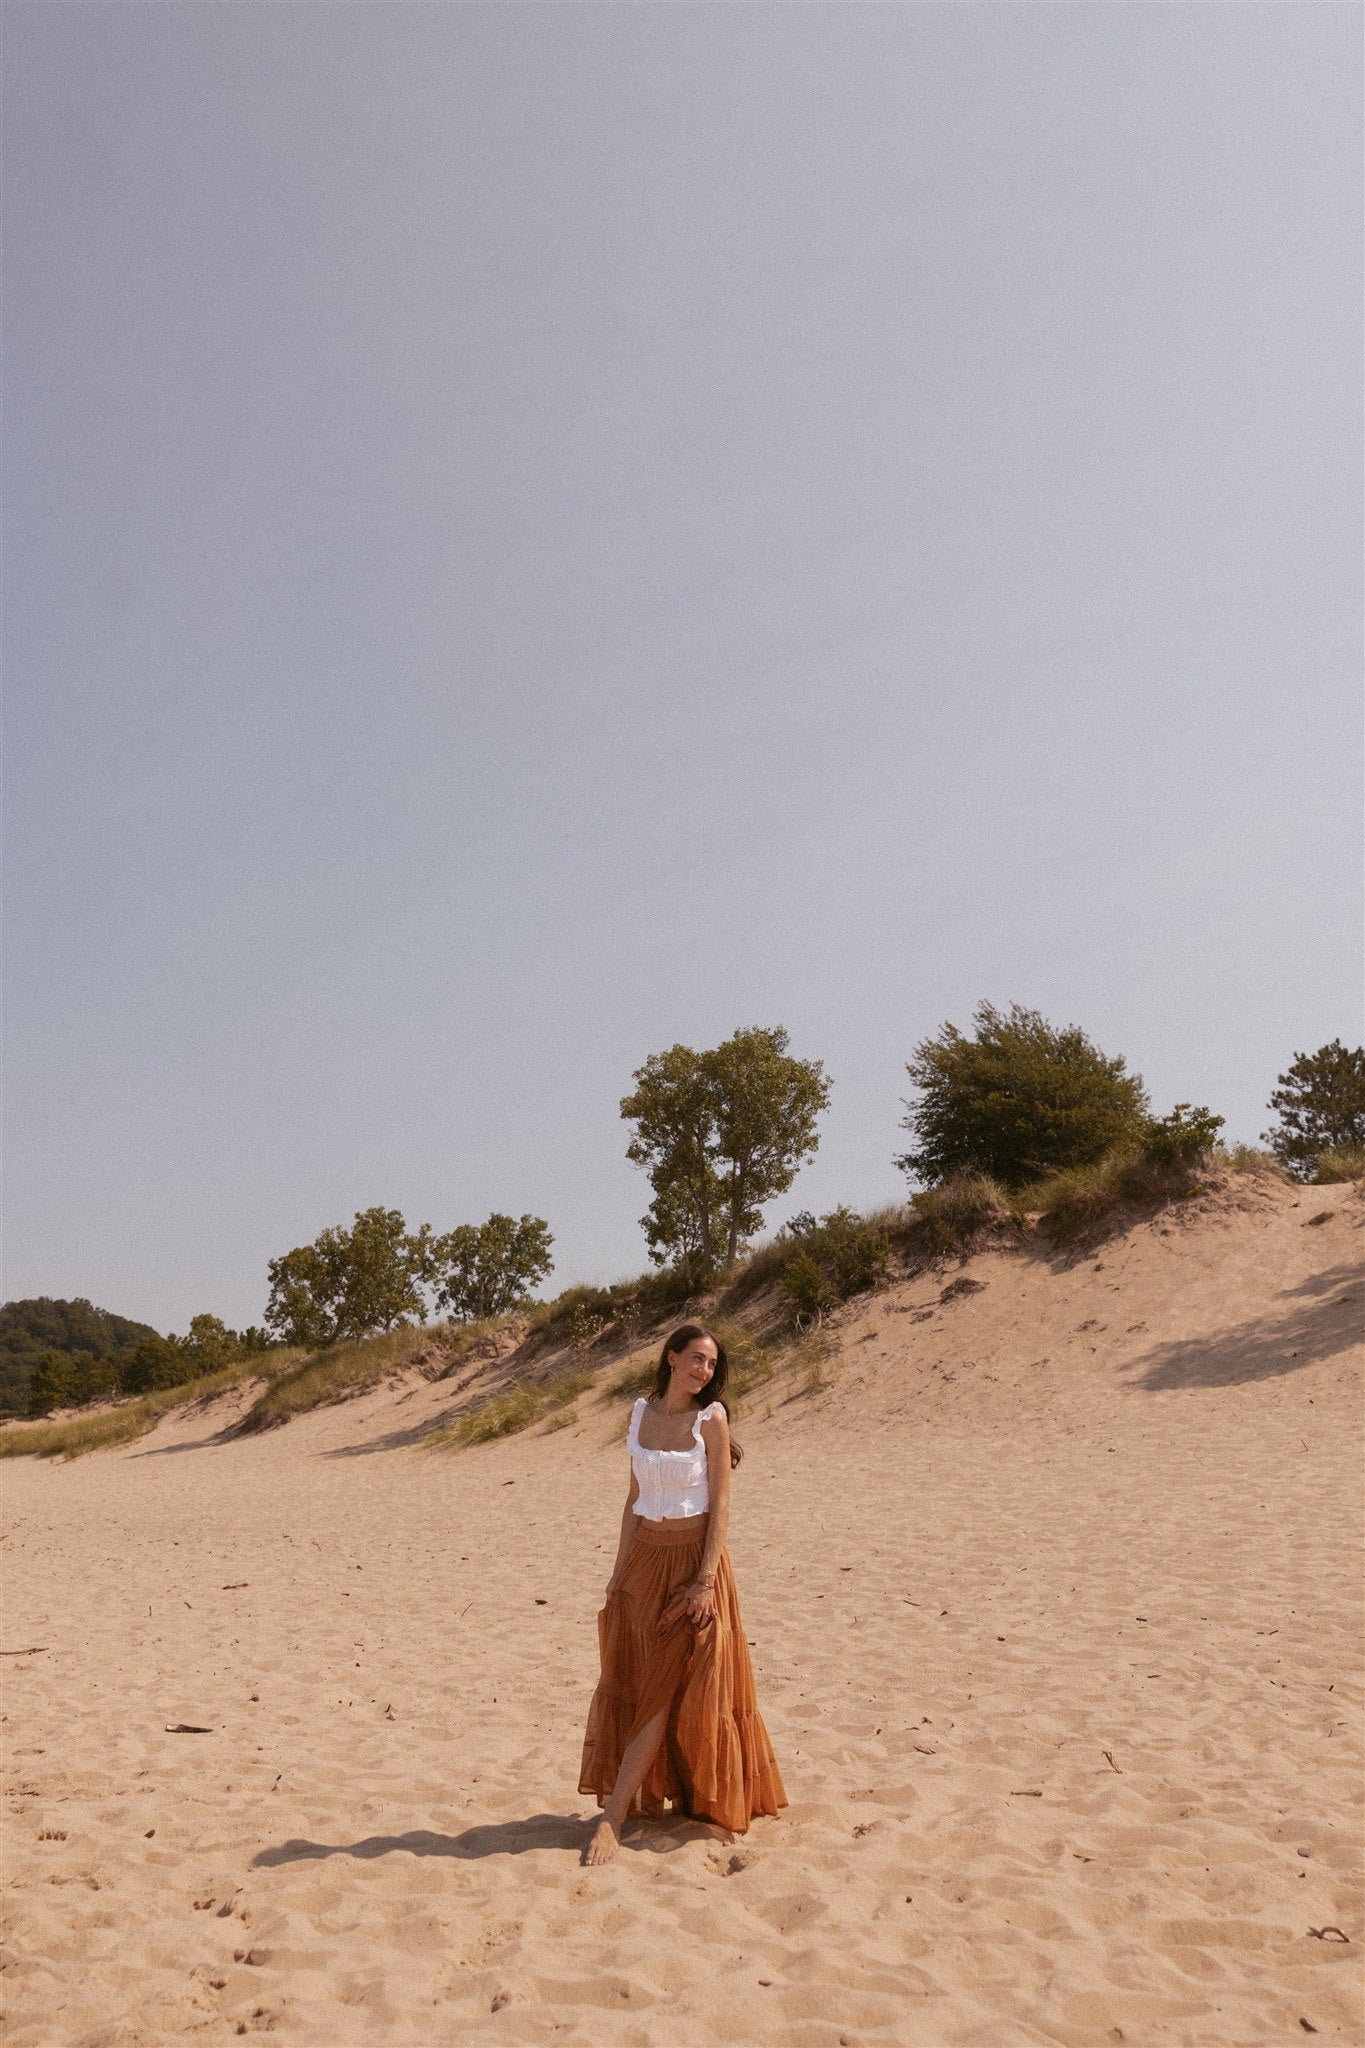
x,y
672,1483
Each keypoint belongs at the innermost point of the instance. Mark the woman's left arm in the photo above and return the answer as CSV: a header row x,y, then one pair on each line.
x,y
715,1434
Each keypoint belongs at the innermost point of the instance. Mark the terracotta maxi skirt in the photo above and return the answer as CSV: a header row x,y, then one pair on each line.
x,y
715,1761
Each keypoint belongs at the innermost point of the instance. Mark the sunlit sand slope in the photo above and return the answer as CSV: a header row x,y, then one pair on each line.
x,y
1054,1596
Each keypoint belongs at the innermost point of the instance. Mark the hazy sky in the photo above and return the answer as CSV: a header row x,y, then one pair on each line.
x,y
535,532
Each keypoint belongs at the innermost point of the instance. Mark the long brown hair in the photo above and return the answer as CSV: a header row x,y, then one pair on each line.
x,y
714,1390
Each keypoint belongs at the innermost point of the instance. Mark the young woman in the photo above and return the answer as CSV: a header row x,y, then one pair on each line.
x,y
674,1716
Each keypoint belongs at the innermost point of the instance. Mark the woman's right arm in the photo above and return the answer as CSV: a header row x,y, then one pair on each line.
x,y
628,1521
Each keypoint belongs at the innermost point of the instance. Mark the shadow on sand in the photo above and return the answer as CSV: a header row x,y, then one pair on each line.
x,y
198,1443
232,1433
504,1838
1325,1321
404,1439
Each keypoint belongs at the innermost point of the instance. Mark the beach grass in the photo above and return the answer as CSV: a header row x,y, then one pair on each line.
x,y
1083,1203
752,1364
1339,1163
510,1412
636,1380
1252,1159
809,1361
956,1216
345,1370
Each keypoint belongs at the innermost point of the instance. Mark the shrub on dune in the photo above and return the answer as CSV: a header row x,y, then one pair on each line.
x,y
1187,1135
581,1315
830,1261
1017,1099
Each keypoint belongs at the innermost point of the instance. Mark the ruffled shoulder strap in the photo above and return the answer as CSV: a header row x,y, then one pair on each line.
x,y
707,1414
633,1433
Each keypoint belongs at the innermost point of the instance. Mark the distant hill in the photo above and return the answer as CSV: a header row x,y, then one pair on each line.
x,y
29,1328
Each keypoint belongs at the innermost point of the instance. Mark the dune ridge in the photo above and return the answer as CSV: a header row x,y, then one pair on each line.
x,y
1052,1579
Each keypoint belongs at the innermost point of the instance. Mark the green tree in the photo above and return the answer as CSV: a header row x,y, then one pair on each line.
x,y
673,1112
1320,1102
1017,1099
720,1133
155,1363
488,1269
65,1379
766,1107
304,1296
210,1344
54,1380
382,1269
349,1283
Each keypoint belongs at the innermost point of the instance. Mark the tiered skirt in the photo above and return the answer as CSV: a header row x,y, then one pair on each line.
x,y
715,1761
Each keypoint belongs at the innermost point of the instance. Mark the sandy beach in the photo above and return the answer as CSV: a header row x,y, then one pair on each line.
x,y
1053,1589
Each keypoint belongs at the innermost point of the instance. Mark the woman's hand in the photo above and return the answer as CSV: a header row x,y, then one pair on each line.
x,y
701,1603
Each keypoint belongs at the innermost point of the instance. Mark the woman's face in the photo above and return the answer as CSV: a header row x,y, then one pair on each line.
x,y
694,1365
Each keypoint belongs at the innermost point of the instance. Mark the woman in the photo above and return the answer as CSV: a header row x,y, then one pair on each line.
x,y
674,1715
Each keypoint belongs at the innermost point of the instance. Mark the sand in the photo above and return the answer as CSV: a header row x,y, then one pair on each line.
x,y
1054,1598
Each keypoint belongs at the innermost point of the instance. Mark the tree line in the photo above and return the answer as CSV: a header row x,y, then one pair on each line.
x,y
379,1275
59,1354
720,1134
41,1329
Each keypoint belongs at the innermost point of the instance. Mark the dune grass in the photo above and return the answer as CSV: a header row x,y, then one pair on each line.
x,y
344,1370
1252,1159
582,1315
763,1267
500,1415
104,1428
636,1380
752,1364
510,1412
956,1217
1083,1203
809,1358
1339,1163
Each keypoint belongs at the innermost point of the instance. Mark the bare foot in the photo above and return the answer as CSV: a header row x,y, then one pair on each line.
x,y
604,1844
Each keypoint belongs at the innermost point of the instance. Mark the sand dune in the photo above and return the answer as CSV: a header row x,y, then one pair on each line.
x,y
1054,1597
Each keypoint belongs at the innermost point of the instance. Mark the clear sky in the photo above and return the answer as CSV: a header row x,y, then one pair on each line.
x,y
537,532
